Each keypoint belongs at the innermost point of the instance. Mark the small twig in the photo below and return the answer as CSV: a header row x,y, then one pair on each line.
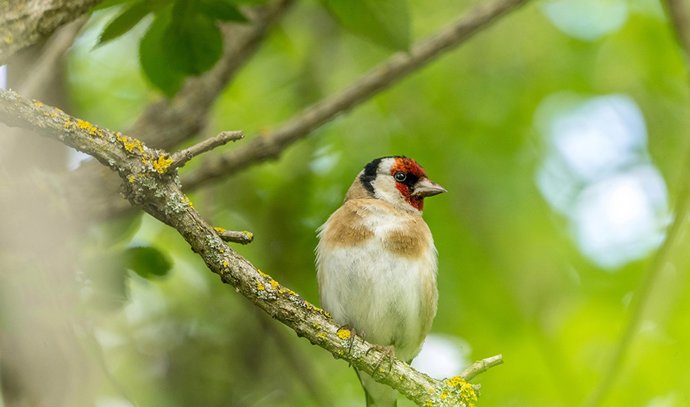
x,y
181,157
481,366
235,236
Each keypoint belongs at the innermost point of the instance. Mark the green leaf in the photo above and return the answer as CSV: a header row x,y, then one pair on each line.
x,y
384,22
147,261
124,22
223,10
154,59
192,43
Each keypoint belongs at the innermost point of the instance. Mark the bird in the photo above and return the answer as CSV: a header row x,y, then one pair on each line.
x,y
376,263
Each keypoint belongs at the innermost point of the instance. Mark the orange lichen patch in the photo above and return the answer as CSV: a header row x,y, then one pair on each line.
x,y
130,144
260,286
162,163
219,229
274,284
344,334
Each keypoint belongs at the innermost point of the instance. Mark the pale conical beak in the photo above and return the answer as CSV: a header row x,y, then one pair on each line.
x,y
425,187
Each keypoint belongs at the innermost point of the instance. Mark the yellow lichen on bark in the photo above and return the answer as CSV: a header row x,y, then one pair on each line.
x,y
344,334
130,144
162,163
90,128
467,393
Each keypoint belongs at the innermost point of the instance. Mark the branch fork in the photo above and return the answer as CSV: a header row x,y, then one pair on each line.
x,y
161,196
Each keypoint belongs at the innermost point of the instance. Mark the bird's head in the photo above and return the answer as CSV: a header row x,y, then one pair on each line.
x,y
397,180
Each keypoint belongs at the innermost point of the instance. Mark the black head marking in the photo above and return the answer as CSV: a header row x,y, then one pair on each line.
x,y
369,175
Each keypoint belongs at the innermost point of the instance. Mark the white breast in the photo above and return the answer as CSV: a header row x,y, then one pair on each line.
x,y
389,298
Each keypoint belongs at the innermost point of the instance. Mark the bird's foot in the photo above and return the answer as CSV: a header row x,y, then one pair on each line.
x,y
388,354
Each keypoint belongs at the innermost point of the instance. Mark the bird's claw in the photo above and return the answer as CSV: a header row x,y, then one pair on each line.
x,y
388,354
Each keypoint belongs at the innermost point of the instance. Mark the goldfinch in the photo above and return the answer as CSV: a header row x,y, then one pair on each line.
x,y
376,263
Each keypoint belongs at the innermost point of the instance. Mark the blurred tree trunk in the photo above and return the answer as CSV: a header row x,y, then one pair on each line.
x,y
43,359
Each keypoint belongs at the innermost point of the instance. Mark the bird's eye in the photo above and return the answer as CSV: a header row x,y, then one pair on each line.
x,y
400,176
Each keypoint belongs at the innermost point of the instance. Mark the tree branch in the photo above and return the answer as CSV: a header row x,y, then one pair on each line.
x,y
387,74
149,185
23,23
679,14
167,123
181,157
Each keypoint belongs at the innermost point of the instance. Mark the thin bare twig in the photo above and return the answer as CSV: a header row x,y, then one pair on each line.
x,y
236,236
387,74
181,157
679,14
481,366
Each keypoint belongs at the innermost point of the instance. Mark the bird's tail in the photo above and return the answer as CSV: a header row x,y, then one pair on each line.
x,y
377,394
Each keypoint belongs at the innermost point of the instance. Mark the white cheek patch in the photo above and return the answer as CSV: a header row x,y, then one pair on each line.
x,y
384,185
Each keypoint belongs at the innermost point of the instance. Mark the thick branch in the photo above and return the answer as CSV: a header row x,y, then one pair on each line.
x,y
392,71
148,184
23,23
167,123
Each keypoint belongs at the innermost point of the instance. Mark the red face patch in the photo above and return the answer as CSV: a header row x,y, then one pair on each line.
x,y
412,173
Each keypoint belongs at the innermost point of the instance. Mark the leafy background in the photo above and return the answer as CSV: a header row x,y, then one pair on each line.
x,y
558,133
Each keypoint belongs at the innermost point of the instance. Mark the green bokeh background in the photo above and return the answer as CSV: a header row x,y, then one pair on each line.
x,y
512,278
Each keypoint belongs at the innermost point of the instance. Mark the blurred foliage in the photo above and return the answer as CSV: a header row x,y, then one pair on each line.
x,y
184,38
512,278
